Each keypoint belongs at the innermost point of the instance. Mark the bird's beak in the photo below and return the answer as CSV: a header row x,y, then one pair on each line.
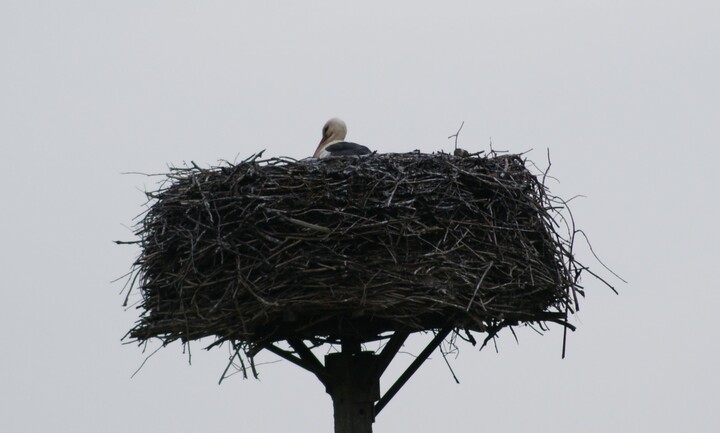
x,y
315,155
323,140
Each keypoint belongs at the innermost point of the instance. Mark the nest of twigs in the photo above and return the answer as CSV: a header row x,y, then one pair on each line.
x,y
267,250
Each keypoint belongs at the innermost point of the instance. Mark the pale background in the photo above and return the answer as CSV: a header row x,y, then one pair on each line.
x,y
625,94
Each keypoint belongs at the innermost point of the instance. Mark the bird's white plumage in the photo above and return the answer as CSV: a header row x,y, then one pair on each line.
x,y
334,132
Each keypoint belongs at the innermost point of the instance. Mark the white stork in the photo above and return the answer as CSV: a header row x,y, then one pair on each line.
x,y
333,141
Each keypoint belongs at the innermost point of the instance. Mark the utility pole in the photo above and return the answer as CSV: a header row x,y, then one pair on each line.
x,y
352,376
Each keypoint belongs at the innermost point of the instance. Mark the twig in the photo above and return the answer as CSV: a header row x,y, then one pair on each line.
x,y
457,134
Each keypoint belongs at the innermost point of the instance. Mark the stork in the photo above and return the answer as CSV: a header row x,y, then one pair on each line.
x,y
333,141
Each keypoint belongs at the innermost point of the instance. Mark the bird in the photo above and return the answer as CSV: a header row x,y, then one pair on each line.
x,y
333,141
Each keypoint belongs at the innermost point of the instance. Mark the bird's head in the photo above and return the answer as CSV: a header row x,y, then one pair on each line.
x,y
334,130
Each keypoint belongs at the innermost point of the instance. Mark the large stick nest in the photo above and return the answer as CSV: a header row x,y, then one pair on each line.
x,y
266,250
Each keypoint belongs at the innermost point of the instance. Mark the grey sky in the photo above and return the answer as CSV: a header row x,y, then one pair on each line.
x,y
625,95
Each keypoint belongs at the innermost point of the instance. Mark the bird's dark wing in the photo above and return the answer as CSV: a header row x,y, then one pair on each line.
x,y
343,148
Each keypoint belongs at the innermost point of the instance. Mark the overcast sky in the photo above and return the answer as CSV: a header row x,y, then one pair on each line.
x,y
624,94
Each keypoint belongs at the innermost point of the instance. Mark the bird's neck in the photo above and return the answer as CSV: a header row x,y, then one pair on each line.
x,y
325,143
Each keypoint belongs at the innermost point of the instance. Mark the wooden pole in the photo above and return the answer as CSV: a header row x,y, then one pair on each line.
x,y
353,392
352,377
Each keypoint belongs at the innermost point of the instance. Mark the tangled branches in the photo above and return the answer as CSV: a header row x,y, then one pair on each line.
x,y
266,250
